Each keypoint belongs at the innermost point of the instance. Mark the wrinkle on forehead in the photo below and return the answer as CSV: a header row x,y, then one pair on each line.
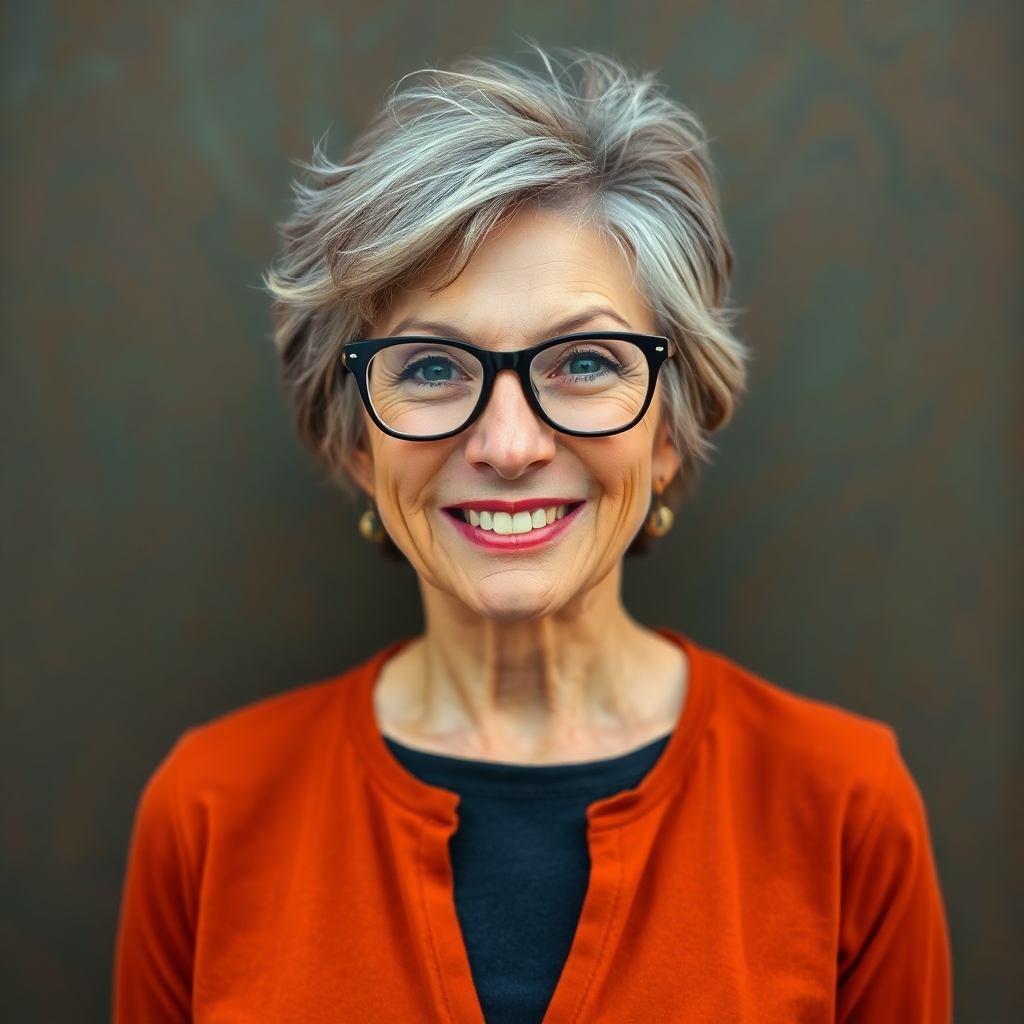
x,y
539,268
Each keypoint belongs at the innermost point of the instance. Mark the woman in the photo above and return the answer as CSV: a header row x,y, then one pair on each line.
x,y
503,318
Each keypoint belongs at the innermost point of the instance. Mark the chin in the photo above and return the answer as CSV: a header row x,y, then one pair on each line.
x,y
513,597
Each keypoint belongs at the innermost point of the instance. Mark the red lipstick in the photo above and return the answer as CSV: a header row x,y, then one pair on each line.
x,y
512,507
512,542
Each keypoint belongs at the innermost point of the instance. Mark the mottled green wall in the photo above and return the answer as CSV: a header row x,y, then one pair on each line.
x,y
167,552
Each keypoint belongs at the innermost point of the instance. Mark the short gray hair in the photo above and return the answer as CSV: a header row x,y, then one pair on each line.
x,y
452,153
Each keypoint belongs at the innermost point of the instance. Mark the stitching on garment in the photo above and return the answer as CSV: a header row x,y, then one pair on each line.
x,y
875,817
426,917
193,875
883,792
604,942
673,785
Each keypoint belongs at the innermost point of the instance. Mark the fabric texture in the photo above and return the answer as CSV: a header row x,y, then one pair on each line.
x,y
520,865
774,865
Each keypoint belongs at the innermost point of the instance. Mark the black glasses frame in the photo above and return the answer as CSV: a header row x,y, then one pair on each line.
x,y
357,356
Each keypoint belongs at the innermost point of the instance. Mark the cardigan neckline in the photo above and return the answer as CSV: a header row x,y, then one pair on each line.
x,y
441,805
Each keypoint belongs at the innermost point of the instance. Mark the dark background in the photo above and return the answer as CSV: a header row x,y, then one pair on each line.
x,y
167,552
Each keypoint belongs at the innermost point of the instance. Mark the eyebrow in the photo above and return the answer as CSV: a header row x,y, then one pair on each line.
x,y
568,325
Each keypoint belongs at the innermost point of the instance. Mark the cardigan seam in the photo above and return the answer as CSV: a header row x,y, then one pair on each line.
x,y
846,865
364,744
425,910
876,810
612,914
191,878
673,785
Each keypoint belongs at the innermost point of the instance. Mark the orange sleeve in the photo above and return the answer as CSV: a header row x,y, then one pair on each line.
x,y
153,972
894,963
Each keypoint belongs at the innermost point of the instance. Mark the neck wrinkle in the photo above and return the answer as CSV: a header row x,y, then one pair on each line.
x,y
552,678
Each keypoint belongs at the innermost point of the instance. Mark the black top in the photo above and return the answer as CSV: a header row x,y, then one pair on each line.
x,y
521,864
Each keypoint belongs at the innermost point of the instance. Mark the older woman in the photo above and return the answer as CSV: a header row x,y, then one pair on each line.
x,y
502,317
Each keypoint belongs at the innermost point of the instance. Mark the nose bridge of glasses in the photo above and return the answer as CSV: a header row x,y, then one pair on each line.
x,y
505,360
517,364
511,372
511,405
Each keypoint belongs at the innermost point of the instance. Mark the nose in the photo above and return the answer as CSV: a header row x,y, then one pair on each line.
x,y
509,436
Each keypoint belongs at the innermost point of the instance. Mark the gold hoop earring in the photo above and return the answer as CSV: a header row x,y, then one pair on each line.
x,y
660,519
370,526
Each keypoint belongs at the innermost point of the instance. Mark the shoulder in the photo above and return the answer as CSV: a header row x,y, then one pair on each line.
x,y
826,778
821,802
264,747
776,728
805,759
261,734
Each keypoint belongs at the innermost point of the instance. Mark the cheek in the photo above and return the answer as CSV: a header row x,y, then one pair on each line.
x,y
621,473
621,467
405,473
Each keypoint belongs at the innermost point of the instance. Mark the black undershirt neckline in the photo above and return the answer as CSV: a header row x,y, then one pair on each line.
x,y
521,864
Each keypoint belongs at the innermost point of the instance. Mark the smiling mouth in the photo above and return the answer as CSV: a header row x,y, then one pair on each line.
x,y
506,524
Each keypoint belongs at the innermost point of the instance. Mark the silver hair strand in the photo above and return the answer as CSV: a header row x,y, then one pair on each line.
x,y
453,152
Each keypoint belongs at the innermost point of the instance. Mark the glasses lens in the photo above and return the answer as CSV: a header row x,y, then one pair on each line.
x,y
422,388
591,385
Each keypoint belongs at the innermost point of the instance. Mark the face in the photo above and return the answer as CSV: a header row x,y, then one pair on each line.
x,y
540,275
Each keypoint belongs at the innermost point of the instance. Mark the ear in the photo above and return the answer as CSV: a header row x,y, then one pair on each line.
x,y
360,464
665,463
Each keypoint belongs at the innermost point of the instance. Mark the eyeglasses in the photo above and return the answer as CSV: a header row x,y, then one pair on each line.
x,y
586,385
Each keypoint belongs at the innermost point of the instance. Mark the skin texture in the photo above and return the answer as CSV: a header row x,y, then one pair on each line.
x,y
527,656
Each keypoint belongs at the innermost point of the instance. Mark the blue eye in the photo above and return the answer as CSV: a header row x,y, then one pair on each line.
x,y
587,364
432,369
580,365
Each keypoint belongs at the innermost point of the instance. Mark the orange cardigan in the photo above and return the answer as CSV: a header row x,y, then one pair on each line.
x,y
773,866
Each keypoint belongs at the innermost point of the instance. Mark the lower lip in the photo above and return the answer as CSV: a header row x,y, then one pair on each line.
x,y
515,541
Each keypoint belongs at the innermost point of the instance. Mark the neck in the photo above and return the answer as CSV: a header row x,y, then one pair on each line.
x,y
584,683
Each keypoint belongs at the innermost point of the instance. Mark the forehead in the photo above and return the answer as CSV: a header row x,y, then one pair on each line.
x,y
535,273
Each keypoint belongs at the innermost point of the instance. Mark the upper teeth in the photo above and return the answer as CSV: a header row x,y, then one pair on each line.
x,y
520,522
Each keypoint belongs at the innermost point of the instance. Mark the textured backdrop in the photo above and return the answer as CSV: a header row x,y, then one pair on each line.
x,y
167,552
